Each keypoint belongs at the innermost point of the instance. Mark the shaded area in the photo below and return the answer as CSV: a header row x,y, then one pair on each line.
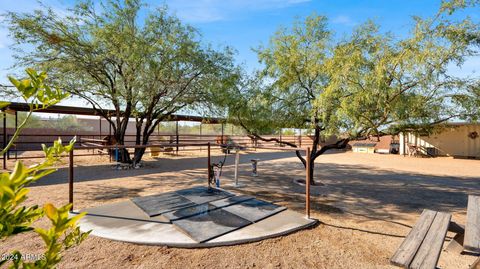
x,y
161,165
211,224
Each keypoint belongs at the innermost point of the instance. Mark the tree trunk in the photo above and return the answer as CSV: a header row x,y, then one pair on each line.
x,y
142,138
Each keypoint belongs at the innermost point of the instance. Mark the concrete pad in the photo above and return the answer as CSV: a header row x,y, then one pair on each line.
x,y
125,221
140,232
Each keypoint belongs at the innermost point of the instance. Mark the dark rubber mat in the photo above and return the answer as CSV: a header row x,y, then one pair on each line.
x,y
202,208
155,205
158,204
204,196
189,211
211,224
231,200
254,210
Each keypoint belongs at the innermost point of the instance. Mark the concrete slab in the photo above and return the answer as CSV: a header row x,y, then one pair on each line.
x,y
125,221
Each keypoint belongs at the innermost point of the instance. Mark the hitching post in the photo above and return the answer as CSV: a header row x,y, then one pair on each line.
x,y
209,166
4,138
307,184
237,161
70,179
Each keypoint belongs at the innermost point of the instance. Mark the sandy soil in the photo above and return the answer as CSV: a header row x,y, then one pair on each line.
x,y
366,207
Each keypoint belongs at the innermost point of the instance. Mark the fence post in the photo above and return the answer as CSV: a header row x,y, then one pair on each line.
x,y
70,179
176,134
209,165
307,184
16,126
4,138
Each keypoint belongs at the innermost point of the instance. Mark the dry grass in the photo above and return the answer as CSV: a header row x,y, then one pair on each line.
x,y
367,206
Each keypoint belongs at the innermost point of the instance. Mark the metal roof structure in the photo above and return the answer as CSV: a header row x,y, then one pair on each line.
x,y
15,106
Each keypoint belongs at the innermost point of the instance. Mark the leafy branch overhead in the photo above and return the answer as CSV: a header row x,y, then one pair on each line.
x,y
108,53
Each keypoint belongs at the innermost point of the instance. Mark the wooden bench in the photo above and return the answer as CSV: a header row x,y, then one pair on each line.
x,y
467,239
422,246
471,240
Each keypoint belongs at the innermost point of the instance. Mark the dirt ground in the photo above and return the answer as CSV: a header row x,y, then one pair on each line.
x,y
366,207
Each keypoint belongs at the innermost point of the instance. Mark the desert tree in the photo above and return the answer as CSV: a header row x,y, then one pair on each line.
x,y
119,55
368,84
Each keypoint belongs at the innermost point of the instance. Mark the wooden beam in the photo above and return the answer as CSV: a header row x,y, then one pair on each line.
x,y
410,245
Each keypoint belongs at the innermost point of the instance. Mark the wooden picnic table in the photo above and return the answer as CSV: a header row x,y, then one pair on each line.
x,y
423,244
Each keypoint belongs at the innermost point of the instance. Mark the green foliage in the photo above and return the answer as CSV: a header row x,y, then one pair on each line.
x,y
114,53
16,218
37,94
370,83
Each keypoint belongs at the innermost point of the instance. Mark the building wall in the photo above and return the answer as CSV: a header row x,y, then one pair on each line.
x,y
451,141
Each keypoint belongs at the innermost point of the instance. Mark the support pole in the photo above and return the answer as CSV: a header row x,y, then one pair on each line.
x,y
176,134
100,124
70,179
300,138
222,133
307,184
237,161
201,138
4,138
16,127
209,164
110,136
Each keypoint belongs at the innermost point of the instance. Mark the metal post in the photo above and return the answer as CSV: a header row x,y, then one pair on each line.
x,y
176,134
100,123
222,133
209,164
201,138
307,184
16,126
70,179
237,161
109,151
300,138
4,138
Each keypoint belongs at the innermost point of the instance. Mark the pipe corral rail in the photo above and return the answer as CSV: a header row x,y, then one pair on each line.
x,y
208,145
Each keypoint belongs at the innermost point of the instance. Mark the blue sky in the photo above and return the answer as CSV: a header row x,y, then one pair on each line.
x,y
245,24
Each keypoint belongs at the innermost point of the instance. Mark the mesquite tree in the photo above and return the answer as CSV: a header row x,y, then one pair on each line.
x,y
117,55
368,84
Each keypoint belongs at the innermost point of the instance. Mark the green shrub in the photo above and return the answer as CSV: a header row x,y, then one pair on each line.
x,y
16,218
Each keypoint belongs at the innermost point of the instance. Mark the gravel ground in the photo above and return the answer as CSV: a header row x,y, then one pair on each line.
x,y
366,207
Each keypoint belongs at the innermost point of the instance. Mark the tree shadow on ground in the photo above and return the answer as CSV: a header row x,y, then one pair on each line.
x,y
161,165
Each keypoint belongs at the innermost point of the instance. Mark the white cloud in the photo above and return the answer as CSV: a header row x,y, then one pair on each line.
x,y
216,10
344,20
